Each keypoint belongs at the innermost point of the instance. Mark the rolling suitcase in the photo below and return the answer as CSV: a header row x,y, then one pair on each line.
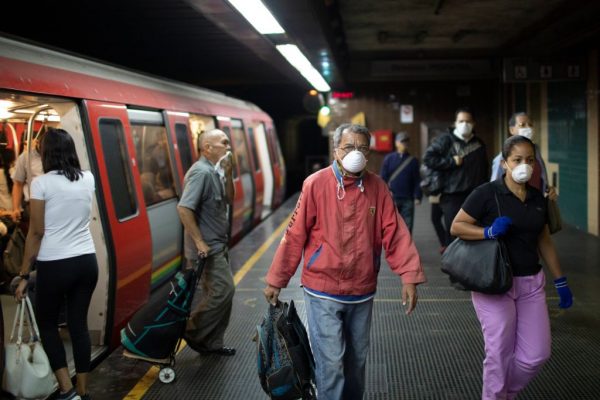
x,y
153,334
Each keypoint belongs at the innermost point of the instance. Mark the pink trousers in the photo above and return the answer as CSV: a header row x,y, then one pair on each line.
x,y
516,332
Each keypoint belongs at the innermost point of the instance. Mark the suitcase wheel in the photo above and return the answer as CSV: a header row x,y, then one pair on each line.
x,y
166,375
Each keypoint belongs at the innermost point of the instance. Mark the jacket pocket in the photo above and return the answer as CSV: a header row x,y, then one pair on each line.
x,y
314,257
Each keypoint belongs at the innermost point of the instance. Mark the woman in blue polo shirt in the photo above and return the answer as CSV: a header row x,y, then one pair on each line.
x,y
515,325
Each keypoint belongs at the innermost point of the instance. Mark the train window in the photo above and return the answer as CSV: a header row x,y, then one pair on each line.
x,y
239,146
271,142
154,162
185,152
253,149
198,125
119,174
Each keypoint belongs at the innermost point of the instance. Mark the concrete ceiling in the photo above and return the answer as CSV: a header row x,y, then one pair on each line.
x,y
206,42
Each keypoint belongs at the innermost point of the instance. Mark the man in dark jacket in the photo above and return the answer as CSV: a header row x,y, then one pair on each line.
x,y
400,171
460,158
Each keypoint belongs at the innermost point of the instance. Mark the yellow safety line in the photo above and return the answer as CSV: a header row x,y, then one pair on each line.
x,y
140,389
258,253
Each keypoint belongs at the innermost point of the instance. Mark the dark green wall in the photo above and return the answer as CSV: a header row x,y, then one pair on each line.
x,y
567,145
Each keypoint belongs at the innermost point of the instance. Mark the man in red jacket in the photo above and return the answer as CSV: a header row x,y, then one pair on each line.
x,y
344,216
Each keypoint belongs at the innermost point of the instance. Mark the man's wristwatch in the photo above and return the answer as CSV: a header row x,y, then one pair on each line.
x,y
24,276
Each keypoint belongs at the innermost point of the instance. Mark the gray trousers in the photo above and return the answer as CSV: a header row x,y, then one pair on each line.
x,y
208,321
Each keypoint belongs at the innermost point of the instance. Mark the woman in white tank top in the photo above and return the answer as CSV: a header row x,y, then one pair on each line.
x,y
60,245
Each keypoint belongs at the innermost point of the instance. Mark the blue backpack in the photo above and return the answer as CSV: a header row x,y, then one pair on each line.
x,y
285,362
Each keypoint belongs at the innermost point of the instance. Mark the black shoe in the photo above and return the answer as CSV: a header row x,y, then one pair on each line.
x,y
221,351
70,395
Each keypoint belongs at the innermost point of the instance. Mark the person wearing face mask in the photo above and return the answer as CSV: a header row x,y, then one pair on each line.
x,y
515,325
461,159
401,171
203,210
344,218
519,124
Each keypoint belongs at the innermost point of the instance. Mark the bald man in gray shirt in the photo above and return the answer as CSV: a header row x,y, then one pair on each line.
x,y
203,210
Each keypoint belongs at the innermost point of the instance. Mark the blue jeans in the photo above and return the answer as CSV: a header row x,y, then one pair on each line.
x,y
406,208
339,339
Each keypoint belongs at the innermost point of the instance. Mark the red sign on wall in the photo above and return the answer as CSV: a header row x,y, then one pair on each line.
x,y
342,95
381,140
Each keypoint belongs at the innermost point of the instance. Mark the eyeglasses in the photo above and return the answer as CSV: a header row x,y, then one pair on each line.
x,y
363,149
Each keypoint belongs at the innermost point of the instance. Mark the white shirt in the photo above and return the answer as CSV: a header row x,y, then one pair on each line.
x,y
67,215
20,173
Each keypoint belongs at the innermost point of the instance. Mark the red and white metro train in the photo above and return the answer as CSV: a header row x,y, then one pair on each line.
x,y
138,135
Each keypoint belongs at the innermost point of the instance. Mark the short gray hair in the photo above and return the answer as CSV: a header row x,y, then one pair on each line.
x,y
351,128
513,119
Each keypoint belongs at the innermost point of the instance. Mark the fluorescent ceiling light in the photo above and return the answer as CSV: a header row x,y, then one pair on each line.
x,y
295,57
258,15
49,118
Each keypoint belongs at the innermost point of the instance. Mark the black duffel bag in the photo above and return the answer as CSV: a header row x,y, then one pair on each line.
x,y
478,265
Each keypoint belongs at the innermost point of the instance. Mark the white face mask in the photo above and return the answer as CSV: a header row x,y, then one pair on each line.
x,y
354,162
463,130
522,173
526,132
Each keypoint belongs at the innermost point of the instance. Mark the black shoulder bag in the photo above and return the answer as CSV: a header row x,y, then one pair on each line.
x,y
479,265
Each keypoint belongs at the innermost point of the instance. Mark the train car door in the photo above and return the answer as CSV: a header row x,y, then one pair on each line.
x,y
242,153
257,171
278,166
179,132
236,214
128,234
260,137
157,165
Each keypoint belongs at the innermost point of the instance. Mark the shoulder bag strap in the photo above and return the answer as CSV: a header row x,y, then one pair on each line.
x,y
400,168
19,319
459,151
15,321
33,321
497,203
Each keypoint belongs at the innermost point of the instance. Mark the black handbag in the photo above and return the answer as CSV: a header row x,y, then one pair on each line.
x,y
478,265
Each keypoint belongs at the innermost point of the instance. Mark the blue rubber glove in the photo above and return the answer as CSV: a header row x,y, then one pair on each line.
x,y
498,228
566,297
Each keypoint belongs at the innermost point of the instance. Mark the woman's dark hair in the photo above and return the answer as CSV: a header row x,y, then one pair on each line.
x,y
512,142
58,154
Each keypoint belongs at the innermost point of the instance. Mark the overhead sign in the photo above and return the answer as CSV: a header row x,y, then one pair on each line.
x,y
342,95
528,69
432,69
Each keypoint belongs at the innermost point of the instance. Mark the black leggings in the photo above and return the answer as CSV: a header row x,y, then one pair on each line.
x,y
74,280
436,219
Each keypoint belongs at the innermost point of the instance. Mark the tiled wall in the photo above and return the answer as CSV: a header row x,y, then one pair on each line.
x,y
567,146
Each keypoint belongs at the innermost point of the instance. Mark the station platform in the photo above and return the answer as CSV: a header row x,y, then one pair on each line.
x,y
436,353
